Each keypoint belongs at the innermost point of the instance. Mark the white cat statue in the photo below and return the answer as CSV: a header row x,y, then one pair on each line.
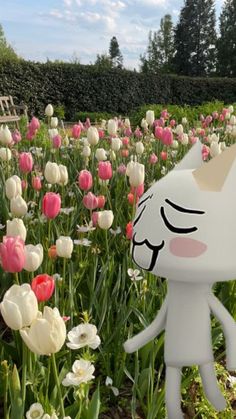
x,y
185,230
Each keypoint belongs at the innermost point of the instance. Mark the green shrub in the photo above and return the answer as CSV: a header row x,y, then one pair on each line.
x,y
77,87
93,116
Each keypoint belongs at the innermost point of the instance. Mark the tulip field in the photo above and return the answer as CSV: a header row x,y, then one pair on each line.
x,y
70,294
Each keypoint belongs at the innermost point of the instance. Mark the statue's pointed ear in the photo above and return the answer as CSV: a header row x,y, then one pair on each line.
x,y
193,159
218,173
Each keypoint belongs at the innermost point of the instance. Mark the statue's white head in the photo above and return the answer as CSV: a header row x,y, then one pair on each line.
x,y
185,225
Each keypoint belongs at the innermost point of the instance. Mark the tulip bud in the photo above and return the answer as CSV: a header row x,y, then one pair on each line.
x,y
112,127
93,135
85,180
26,162
64,247
150,117
76,131
56,141
47,333
5,154
115,144
52,252
63,175
19,307
52,173
90,201
12,254
18,206
129,230
101,154
51,205
36,183
49,110
144,124
105,219
13,187
179,129
139,147
86,152
53,132
16,228
54,122
43,286
33,257
34,124
5,135
136,174
104,170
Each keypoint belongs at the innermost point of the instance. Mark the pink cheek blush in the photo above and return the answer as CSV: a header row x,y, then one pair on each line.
x,y
187,248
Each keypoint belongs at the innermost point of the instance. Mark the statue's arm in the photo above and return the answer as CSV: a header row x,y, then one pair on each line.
x,y
156,327
229,328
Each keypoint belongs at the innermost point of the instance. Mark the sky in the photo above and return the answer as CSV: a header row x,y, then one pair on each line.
x,y
68,29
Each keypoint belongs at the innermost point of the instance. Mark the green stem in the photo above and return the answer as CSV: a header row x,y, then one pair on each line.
x,y
48,379
63,286
107,247
17,278
24,370
54,367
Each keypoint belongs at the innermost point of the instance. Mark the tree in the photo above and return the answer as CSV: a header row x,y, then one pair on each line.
x,y
115,54
6,51
195,39
160,50
226,45
103,61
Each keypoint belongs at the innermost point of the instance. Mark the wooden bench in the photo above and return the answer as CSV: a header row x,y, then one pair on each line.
x,y
9,112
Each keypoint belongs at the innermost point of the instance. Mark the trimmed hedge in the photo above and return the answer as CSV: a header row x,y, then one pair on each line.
x,y
86,88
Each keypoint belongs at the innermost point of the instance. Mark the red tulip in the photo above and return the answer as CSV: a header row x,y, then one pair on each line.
x,y
101,201
129,231
43,286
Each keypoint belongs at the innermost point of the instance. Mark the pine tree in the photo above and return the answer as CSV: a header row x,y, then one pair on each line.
x,y
195,39
226,46
159,55
115,54
6,51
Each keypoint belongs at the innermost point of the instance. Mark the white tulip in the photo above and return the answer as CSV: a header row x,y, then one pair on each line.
x,y
214,138
103,123
86,152
33,257
139,147
63,175
101,154
150,117
175,144
215,149
233,120
82,372
52,173
5,135
52,132
184,120
115,144
83,335
47,333
112,127
179,130
227,115
231,109
19,306
18,206
112,155
184,139
13,187
129,166
49,110
16,228
105,219
64,247
144,124
136,174
5,154
127,123
93,135
54,122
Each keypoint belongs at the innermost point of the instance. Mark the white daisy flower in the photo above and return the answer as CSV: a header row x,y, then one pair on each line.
x,y
134,274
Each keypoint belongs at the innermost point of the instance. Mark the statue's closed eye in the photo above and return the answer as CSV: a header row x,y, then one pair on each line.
x,y
179,230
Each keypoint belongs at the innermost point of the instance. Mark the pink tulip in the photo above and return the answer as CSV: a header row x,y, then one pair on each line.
x,y
104,170
153,158
205,152
158,132
12,254
26,162
101,201
101,133
125,141
208,120
164,114
90,201
121,169
56,141
24,184
163,155
16,136
85,180
51,205
167,137
138,133
34,124
76,131
125,153
30,135
95,215
36,183
221,117
87,123
172,123
128,132
139,190
215,115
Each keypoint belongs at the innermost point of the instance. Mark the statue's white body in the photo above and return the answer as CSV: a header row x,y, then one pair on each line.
x,y
185,230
